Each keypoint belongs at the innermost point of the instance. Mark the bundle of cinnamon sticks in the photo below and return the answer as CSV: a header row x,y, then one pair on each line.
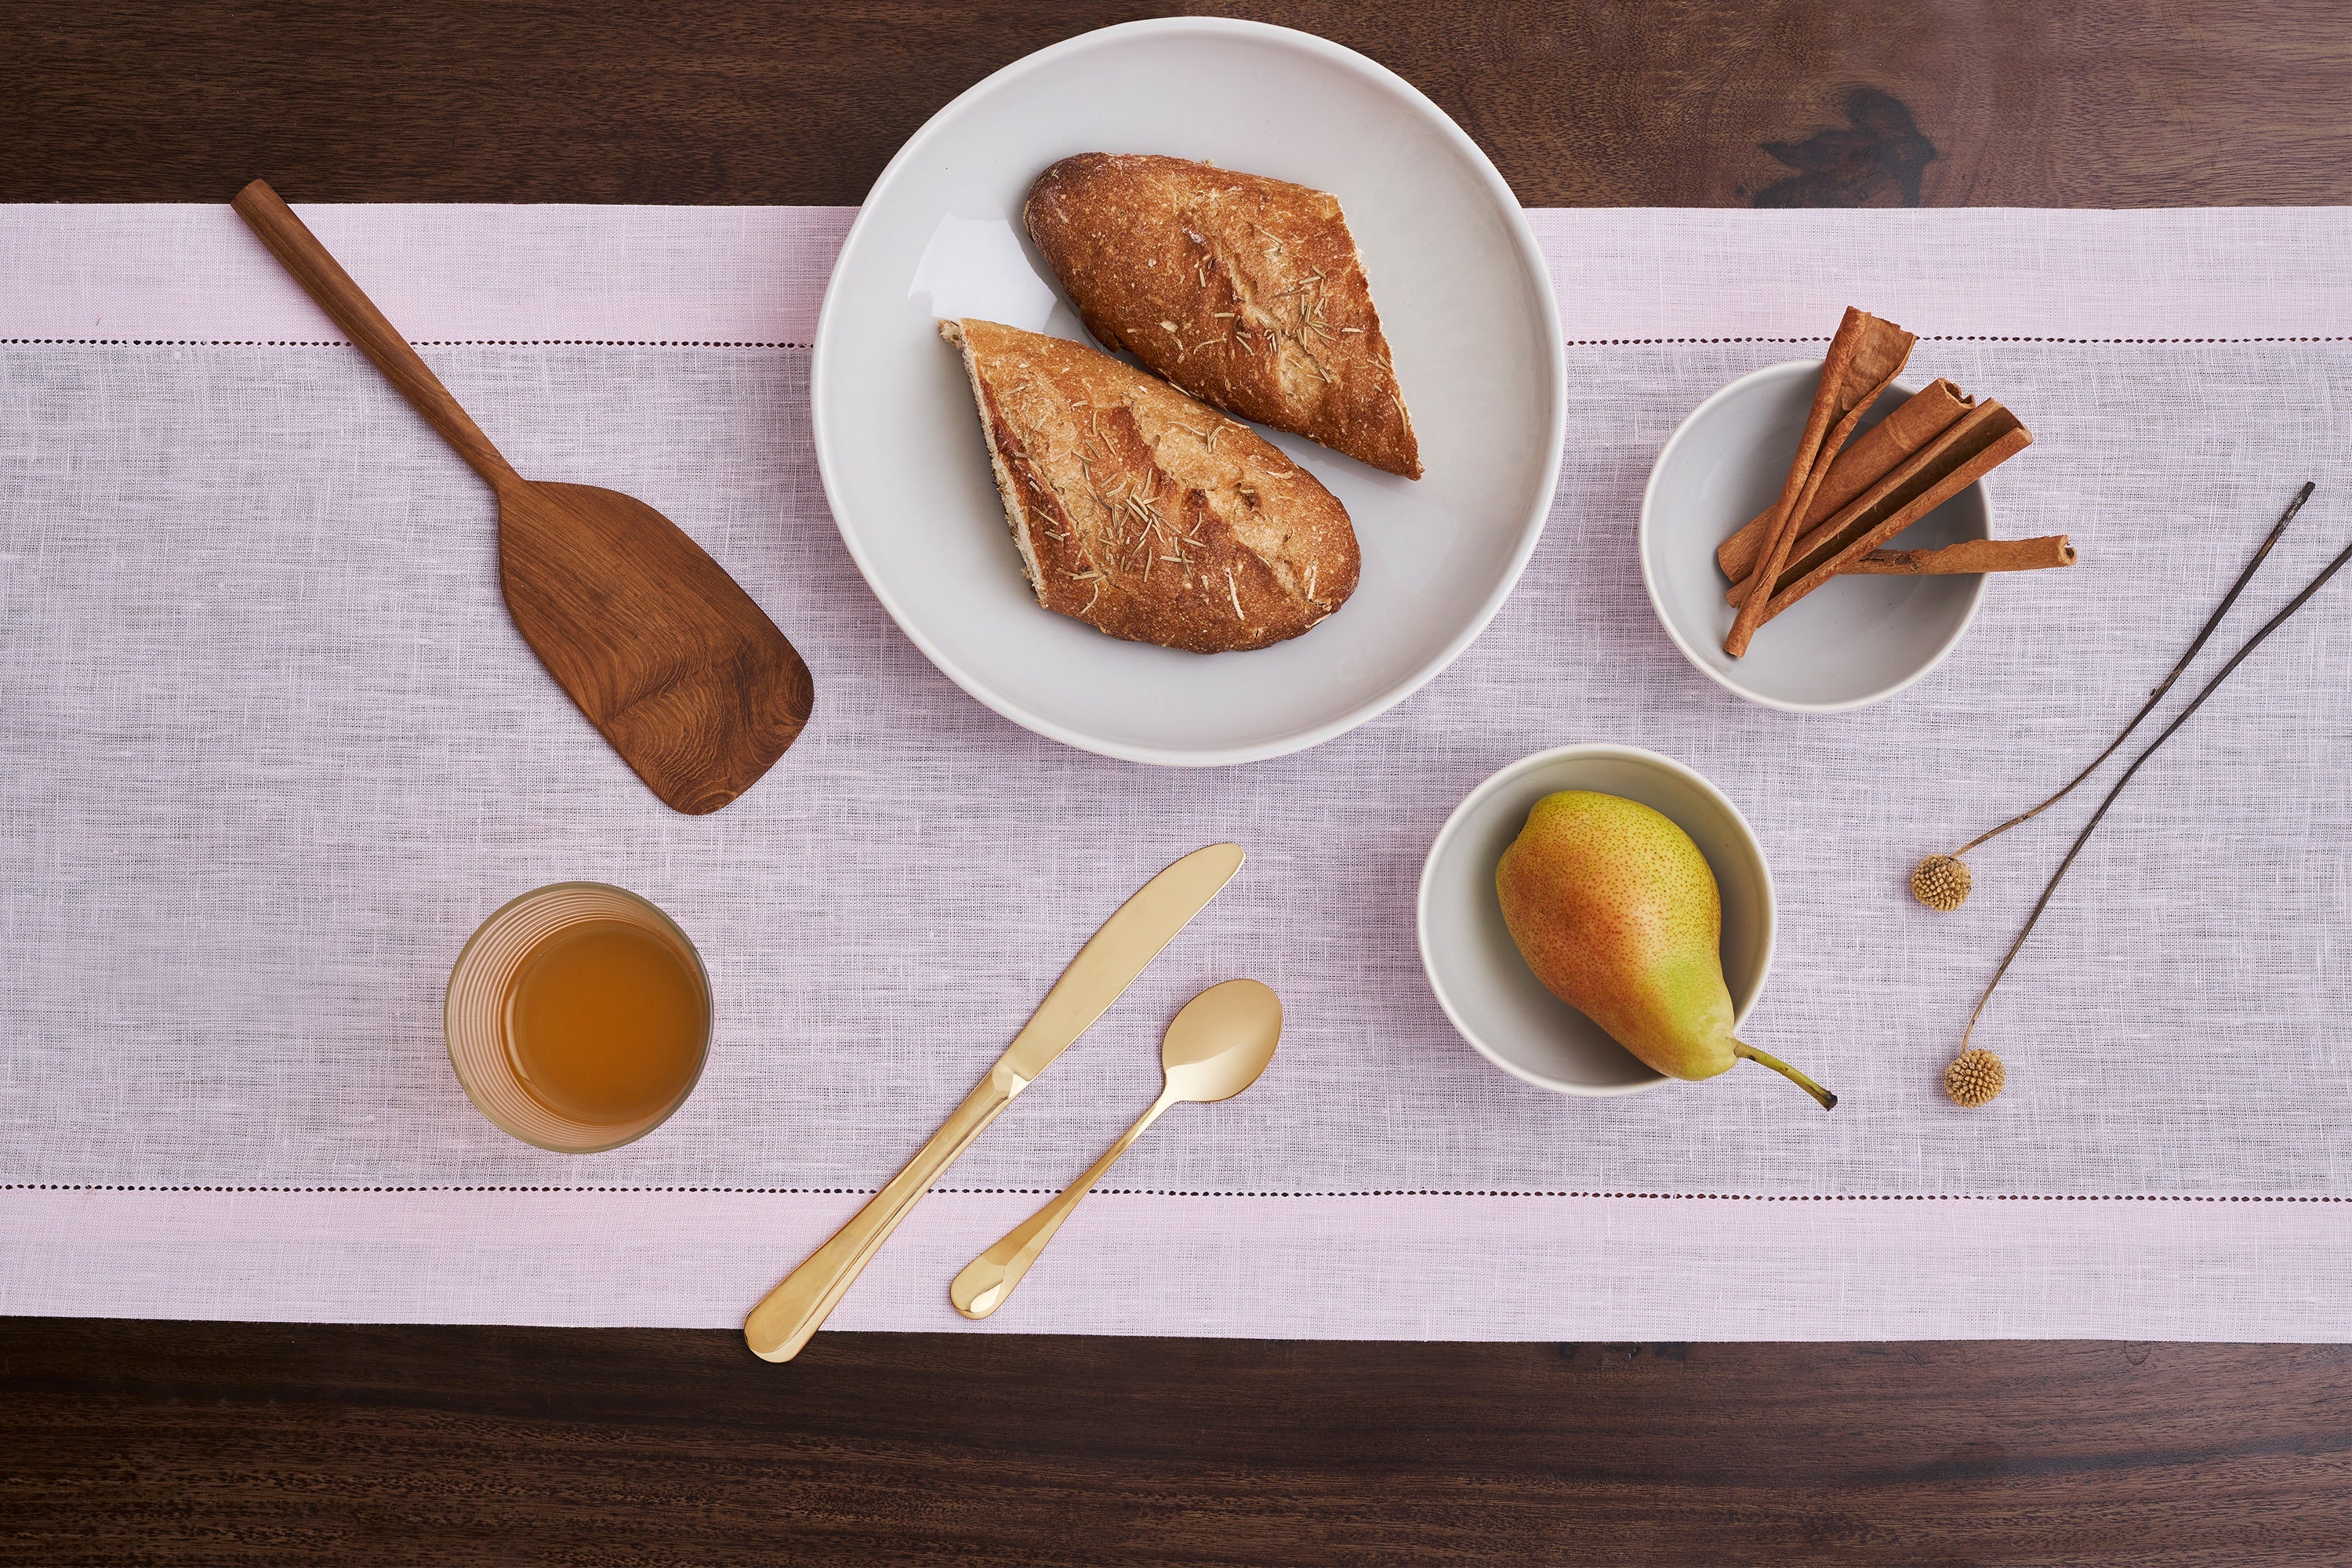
x,y
1841,503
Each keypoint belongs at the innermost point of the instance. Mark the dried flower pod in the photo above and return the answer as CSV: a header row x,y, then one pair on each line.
x,y
2050,890
1941,882
1975,1076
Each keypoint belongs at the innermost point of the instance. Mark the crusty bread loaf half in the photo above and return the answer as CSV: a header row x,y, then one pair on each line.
x,y
1143,512
1246,293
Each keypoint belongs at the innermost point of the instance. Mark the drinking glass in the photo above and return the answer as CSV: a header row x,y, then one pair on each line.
x,y
476,1014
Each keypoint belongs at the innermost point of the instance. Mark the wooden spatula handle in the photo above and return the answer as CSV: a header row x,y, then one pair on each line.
x,y
293,244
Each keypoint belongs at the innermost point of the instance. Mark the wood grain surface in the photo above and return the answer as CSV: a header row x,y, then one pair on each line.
x,y
1673,102
211,1444
195,1443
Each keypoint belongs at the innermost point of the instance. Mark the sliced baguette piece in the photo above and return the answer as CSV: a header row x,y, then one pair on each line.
x,y
1144,513
1244,291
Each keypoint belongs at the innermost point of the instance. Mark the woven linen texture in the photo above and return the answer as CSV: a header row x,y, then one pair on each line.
x,y
274,750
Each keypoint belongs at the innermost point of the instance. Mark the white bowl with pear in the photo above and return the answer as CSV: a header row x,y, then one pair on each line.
x,y
1601,838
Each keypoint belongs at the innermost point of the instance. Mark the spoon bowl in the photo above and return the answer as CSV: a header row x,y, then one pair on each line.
x,y
1220,1042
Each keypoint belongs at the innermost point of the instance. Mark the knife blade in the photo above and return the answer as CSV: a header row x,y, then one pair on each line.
x,y
1104,967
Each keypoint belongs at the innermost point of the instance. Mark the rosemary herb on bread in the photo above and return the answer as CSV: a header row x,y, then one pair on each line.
x,y
1244,291
1144,513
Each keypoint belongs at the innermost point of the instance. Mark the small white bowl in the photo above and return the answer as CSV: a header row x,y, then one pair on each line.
x,y
1475,967
1850,644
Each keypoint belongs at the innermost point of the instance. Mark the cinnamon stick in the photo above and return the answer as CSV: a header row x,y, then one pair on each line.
x,y
1919,419
1895,489
1970,555
1865,357
1981,442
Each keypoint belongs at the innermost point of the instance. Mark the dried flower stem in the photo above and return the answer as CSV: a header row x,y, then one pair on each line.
x,y
2156,696
2313,586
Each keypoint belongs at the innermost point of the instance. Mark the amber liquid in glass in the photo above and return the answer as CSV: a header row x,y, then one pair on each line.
x,y
606,1022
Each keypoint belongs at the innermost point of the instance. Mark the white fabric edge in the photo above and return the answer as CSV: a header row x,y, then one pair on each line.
x,y
1349,1267
754,275
193,272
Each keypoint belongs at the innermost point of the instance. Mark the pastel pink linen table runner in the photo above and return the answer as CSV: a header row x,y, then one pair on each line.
x,y
273,750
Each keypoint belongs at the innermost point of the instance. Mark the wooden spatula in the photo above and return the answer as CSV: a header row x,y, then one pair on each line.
x,y
688,679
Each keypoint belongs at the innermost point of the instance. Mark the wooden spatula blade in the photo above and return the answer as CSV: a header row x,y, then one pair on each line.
x,y
665,654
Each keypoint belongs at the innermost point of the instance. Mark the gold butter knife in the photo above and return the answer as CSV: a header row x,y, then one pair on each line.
x,y
1127,943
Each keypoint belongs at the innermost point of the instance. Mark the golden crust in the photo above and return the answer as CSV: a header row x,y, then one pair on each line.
x,y
1143,513
1244,291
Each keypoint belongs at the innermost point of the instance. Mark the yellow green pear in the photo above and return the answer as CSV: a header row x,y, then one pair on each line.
x,y
1617,913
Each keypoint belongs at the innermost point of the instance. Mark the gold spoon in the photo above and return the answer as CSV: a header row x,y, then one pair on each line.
x,y
1214,1048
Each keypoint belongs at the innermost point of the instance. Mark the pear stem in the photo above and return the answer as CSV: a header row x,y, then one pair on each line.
x,y
1829,1101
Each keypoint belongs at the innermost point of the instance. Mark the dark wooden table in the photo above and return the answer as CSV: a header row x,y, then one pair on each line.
x,y
223,1443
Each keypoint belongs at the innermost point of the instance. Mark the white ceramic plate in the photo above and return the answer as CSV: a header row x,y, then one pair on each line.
x,y
1462,297
1475,967
1853,642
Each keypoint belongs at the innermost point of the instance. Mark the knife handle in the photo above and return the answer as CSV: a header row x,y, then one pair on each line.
x,y
783,1321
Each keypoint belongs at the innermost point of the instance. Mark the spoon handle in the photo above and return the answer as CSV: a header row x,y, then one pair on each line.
x,y
989,1278
294,244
